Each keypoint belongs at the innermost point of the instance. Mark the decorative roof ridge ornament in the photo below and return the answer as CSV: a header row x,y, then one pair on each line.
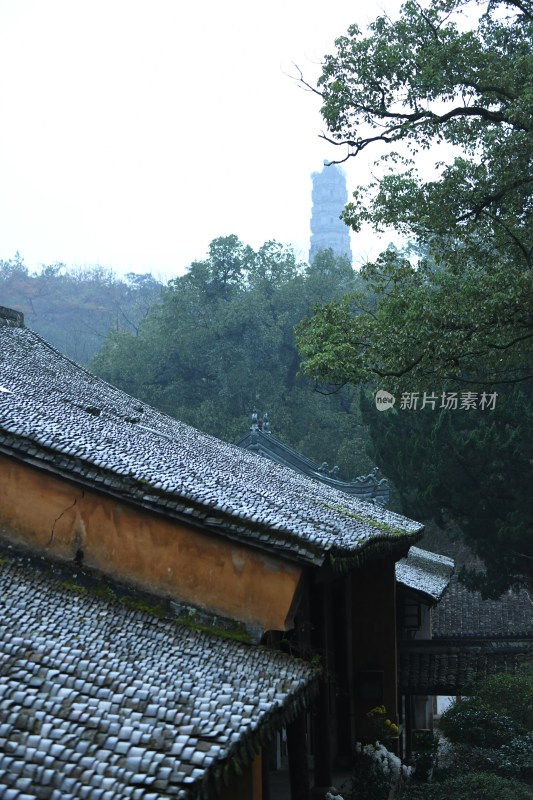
x,y
373,481
260,423
254,430
372,487
11,318
255,425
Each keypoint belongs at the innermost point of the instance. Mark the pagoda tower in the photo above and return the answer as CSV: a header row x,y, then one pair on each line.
x,y
329,198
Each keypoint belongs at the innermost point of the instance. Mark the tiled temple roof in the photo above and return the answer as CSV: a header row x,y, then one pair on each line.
x,y
453,667
101,702
371,488
464,614
56,415
472,638
427,573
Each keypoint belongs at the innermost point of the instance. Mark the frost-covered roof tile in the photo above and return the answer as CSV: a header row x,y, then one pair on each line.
x,y
425,572
95,695
61,416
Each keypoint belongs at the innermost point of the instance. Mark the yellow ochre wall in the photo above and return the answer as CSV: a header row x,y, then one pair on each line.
x,y
58,518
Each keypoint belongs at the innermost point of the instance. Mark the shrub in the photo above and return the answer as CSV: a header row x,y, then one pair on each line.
x,y
492,742
463,758
511,695
377,774
516,758
474,723
475,786
425,754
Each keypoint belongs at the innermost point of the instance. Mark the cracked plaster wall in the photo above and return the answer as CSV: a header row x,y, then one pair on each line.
x,y
62,520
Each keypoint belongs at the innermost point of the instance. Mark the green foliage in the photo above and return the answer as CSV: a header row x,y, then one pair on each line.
x,y
516,758
472,722
221,342
381,526
154,609
225,633
466,758
511,760
462,309
425,754
492,730
73,587
415,324
511,695
477,786
454,310
499,710
471,467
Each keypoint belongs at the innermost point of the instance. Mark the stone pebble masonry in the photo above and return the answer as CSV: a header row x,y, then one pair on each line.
x,y
100,702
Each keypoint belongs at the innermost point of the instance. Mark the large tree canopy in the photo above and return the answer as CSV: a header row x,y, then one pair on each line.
x,y
464,310
221,342
450,81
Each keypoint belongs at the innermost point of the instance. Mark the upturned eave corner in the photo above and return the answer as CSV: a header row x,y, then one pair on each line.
x,y
394,548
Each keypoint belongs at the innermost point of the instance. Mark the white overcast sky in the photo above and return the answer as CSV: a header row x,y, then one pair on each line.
x,y
133,132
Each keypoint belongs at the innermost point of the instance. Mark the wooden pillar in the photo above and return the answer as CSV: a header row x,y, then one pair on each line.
x,y
374,643
297,752
322,754
257,777
408,726
342,667
265,773
322,721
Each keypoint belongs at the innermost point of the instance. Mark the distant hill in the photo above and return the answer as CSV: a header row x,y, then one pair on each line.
x,y
75,309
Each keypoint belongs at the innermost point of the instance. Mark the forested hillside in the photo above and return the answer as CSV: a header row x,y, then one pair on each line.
x,y
75,309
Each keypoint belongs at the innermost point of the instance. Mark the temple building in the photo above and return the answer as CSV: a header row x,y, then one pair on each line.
x,y
447,634
277,594
328,231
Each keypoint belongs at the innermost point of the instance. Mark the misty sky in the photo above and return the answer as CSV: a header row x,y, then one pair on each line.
x,y
135,132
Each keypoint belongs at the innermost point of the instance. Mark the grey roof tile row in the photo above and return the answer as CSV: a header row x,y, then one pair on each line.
x,y
472,638
58,415
463,613
98,700
453,670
